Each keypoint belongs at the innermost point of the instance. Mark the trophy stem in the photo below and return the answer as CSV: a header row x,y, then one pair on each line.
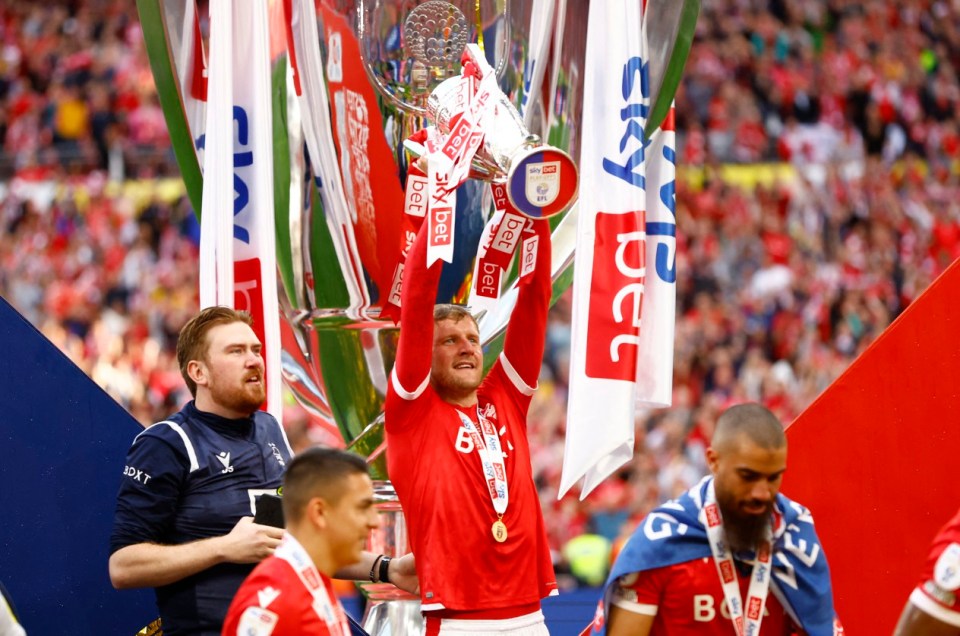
x,y
390,610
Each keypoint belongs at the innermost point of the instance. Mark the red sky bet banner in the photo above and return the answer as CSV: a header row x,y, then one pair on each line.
x,y
623,290
237,256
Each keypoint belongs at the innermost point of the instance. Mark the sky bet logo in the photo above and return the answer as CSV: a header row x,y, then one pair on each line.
x,y
616,292
633,143
545,168
628,165
242,159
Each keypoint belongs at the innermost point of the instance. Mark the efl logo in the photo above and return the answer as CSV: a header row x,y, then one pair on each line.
x,y
616,292
713,515
726,571
753,608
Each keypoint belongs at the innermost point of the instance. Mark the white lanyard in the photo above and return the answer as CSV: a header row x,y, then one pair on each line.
x,y
723,558
330,612
491,458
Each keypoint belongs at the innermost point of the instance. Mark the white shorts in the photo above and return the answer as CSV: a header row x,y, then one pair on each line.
x,y
527,625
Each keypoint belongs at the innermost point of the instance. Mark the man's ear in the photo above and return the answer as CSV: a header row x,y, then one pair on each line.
x,y
713,459
318,512
197,371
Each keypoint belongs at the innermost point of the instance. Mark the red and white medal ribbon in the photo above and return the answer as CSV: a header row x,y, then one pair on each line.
x,y
487,443
330,612
746,619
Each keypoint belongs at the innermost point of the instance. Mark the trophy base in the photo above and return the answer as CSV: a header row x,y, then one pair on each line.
x,y
542,182
393,618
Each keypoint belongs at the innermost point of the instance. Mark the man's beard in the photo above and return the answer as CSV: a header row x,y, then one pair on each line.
x,y
246,398
450,381
744,531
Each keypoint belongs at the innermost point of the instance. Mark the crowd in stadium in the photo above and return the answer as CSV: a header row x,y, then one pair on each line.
x,y
782,280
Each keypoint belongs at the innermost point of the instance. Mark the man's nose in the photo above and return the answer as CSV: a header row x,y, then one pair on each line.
x,y
762,491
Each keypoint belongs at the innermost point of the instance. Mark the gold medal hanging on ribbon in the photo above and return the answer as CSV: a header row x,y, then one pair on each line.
x,y
487,443
499,530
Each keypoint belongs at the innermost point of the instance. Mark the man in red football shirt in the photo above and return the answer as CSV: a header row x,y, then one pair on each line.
x,y
459,459
730,551
933,608
328,509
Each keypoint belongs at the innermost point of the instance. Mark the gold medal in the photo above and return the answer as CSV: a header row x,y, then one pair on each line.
x,y
499,529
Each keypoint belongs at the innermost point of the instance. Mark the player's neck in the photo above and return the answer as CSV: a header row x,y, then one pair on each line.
x,y
452,394
318,550
467,399
205,402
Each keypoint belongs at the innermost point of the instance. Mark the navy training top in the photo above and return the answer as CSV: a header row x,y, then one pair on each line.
x,y
193,477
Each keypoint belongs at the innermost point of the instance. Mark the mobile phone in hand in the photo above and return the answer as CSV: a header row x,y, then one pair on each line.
x,y
269,511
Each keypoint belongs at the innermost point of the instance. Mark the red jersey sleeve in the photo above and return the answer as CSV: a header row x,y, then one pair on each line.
x,y
939,588
527,329
640,592
417,297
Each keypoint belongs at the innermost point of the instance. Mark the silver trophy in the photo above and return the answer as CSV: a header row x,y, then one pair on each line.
x,y
366,73
541,180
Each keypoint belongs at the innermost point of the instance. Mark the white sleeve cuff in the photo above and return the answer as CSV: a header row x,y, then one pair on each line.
x,y
402,392
929,606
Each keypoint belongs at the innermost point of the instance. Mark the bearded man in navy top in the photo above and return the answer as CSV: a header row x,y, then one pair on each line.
x,y
184,518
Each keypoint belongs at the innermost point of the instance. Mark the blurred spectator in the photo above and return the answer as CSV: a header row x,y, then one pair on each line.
x,y
76,90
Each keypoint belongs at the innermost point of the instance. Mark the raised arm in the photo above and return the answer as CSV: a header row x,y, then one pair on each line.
x,y
417,298
527,329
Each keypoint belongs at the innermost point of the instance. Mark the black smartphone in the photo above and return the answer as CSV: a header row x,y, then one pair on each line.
x,y
269,511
